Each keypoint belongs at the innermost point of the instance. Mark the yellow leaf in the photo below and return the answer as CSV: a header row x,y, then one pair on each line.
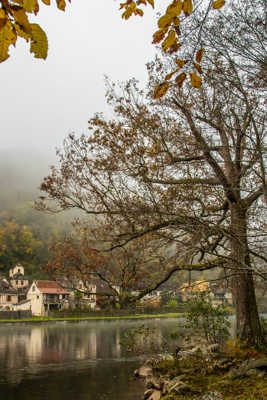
x,y
179,62
151,2
195,80
170,40
3,21
218,4
61,5
127,13
140,12
2,13
7,37
175,8
174,48
22,33
198,68
39,44
47,2
199,55
159,36
165,21
180,79
187,7
169,76
30,5
160,90
21,18
176,21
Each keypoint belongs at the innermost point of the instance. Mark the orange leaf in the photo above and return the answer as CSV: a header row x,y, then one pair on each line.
x,y
159,36
169,41
139,11
187,7
198,68
176,21
199,55
218,4
174,48
195,80
164,21
151,2
169,76
175,8
179,62
180,79
160,90
61,5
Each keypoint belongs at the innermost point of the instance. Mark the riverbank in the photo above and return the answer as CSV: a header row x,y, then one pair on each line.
x,y
211,373
93,318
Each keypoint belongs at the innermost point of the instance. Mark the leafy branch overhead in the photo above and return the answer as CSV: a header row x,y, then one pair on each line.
x,y
14,23
169,34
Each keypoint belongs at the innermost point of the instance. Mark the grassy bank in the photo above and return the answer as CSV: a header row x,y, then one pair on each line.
x,y
93,318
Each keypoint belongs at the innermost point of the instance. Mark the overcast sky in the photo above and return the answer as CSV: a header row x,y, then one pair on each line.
x,y
42,101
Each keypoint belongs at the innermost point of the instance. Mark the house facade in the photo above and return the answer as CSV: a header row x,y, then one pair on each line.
x,y
17,278
8,295
47,296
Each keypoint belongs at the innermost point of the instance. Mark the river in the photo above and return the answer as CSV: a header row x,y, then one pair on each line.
x,y
71,360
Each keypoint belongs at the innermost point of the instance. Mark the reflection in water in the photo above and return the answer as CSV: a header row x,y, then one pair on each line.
x,y
66,360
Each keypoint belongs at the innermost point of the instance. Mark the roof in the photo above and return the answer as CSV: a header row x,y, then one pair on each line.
x,y
23,302
197,286
5,287
19,275
50,287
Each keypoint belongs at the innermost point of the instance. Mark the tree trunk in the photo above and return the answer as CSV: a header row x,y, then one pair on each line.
x,y
248,327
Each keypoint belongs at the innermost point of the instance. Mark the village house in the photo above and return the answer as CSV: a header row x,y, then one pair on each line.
x,y
188,290
8,295
13,290
17,278
87,293
47,296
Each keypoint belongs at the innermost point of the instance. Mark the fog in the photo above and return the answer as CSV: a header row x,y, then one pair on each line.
x,y
43,101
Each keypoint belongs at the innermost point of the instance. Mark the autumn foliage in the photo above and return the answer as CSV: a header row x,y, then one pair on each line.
x,y
15,22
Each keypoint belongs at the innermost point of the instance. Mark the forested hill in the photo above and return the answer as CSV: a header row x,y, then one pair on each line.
x,y
25,234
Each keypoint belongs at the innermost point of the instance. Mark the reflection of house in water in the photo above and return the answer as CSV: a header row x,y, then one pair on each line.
x,y
47,296
35,343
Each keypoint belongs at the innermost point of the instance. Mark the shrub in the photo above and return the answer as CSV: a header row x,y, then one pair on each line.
x,y
172,303
207,320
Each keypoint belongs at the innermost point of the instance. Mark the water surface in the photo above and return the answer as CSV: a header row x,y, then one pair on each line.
x,y
71,360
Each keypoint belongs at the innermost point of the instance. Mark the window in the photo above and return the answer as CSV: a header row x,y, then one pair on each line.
x,y
8,298
17,282
37,297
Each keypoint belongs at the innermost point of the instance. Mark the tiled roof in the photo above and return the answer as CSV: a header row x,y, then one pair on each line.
x,y
50,287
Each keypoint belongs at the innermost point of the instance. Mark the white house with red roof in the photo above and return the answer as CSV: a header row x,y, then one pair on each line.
x,y
47,296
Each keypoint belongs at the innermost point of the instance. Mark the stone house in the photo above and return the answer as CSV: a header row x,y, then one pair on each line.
x,y
47,296
17,278
188,290
8,295
87,293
